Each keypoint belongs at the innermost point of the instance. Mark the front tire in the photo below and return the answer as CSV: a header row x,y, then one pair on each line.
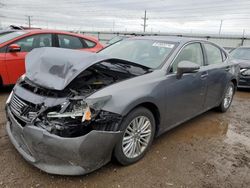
x,y
227,98
138,134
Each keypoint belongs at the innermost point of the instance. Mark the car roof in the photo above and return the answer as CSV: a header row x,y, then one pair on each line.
x,y
45,31
169,38
37,31
8,30
175,39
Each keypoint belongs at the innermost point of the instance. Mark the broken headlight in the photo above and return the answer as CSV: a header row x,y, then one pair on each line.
x,y
78,107
245,72
98,103
9,98
21,78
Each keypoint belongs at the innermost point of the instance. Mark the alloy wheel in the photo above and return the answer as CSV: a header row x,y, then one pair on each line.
x,y
228,96
136,137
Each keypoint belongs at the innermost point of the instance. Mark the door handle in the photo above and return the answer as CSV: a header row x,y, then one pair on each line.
x,y
204,75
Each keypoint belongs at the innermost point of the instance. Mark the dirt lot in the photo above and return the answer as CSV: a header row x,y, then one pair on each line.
x,y
212,150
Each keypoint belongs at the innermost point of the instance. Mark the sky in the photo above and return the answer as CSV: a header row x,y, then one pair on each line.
x,y
173,16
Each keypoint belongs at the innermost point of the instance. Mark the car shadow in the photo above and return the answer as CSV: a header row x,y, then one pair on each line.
x,y
6,89
243,89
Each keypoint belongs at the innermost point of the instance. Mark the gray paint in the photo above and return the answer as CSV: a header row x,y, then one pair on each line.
x,y
244,81
56,155
177,100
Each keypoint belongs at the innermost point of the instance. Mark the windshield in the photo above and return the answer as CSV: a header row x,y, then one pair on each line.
x,y
149,53
116,39
4,37
241,53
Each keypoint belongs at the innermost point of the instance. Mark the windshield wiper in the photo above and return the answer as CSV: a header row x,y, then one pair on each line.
x,y
117,65
122,66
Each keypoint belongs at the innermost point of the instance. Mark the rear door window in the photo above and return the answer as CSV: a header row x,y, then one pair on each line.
x,y
214,55
88,43
71,42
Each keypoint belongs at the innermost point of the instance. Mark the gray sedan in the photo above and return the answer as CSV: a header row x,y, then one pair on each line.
x,y
72,111
242,56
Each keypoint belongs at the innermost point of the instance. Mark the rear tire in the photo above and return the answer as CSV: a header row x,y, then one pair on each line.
x,y
138,134
227,98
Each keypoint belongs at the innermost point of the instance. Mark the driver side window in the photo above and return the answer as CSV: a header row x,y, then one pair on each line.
x,y
192,53
35,41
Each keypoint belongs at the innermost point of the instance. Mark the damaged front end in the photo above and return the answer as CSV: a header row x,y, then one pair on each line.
x,y
57,127
77,117
53,122
71,138
70,116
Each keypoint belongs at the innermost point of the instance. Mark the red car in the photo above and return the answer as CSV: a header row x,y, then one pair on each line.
x,y
15,44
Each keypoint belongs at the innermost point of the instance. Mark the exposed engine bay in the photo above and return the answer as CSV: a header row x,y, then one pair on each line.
x,y
76,116
90,80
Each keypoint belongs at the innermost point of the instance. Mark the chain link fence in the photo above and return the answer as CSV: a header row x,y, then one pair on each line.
x,y
226,41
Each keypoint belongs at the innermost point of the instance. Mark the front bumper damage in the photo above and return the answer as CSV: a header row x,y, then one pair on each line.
x,y
58,155
244,77
244,82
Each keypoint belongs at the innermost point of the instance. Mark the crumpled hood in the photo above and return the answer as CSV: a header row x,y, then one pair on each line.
x,y
55,68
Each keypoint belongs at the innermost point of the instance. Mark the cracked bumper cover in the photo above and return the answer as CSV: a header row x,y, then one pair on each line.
x,y
244,82
58,155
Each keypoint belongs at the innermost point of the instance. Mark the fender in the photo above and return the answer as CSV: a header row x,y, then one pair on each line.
x,y
3,70
138,102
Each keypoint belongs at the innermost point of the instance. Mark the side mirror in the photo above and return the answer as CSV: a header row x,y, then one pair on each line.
x,y
14,48
186,67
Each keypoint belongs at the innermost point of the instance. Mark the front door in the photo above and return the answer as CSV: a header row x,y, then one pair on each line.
x,y
185,96
15,61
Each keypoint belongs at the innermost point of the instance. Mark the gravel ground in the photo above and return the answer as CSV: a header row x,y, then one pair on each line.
x,y
212,150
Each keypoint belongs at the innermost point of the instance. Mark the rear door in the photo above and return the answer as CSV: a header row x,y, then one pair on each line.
x,y
74,42
185,96
70,42
15,61
218,68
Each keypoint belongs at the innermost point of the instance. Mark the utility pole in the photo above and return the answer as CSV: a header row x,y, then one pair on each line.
x,y
29,21
144,21
243,37
220,26
243,34
113,25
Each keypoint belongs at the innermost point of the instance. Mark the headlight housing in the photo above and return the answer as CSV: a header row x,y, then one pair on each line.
x,y
9,98
245,72
98,103
78,107
21,78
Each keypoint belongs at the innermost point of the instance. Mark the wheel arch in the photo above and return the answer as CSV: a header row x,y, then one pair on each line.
x,y
153,108
234,81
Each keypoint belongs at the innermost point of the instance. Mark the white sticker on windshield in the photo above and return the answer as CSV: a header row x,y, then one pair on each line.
x,y
162,44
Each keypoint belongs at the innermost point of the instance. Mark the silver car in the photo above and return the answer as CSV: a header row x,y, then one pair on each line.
x,y
242,56
73,110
